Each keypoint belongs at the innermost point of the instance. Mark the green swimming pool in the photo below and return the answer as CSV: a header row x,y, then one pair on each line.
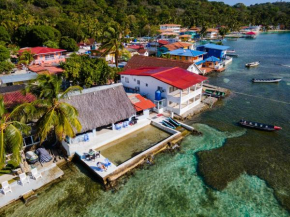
x,y
133,144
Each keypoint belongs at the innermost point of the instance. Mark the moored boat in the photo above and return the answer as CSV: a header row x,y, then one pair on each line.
x,y
214,93
259,126
269,80
253,64
231,51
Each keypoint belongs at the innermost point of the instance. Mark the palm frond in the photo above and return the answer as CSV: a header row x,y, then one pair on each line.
x,y
71,89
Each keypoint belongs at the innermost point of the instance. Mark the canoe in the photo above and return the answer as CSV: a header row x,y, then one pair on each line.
x,y
259,126
270,80
253,64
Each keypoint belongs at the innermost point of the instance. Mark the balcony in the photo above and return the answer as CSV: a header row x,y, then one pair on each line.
x,y
181,96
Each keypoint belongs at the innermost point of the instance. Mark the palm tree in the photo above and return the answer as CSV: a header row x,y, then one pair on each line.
x,y
11,131
54,114
26,57
112,41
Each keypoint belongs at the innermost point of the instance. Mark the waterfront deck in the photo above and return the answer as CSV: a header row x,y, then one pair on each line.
x,y
114,172
93,165
48,173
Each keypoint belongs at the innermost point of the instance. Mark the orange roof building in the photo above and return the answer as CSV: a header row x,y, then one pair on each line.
x,y
140,103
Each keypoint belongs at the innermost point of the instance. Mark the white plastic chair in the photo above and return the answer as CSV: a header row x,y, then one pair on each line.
x,y
6,187
35,175
23,178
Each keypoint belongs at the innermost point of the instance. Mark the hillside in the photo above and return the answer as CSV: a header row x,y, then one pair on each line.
x,y
24,22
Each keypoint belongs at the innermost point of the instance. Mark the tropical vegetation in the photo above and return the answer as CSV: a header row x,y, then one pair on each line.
x,y
35,22
53,114
85,71
11,133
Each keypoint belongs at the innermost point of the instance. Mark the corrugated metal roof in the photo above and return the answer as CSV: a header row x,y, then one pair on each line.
x,y
186,52
17,78
215,46
176,77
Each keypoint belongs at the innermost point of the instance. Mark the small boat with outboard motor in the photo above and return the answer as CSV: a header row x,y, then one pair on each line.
x,y
269,80
253,64
259,126
214,93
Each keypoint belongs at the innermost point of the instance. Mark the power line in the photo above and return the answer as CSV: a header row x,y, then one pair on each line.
x,y
260,97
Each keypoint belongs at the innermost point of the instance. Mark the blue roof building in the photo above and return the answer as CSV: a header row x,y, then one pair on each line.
x,y
217,51
186,55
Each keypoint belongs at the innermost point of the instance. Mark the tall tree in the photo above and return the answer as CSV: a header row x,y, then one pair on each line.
x,y
54,114
11,131
112,41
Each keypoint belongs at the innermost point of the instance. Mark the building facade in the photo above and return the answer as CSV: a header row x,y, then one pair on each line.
x,y
45,56
171,89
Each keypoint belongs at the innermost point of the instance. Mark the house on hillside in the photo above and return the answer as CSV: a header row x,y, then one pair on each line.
x,y
154,47
110,57
45,56
192,56
173,27
211,33
140,61
87,45
176,45
139,50
171,89
100,109
217,51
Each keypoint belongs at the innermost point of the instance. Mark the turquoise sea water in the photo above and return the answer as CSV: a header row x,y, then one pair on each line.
x,y
229,171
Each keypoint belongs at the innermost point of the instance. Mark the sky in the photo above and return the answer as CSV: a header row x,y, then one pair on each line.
x,y
246,2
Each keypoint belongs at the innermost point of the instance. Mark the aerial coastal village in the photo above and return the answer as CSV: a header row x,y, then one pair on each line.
x,y
112,101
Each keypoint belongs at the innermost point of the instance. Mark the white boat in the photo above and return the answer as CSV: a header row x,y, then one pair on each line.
x,y
269,80
253,64
231,51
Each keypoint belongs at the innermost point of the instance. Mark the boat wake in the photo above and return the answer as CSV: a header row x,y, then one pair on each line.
x,y
282,65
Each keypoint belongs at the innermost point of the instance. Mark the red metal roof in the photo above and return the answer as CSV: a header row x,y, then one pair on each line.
x,y
138,61
250,33
177,45
45,69
140,103
176,77
40,50
163,42
15,98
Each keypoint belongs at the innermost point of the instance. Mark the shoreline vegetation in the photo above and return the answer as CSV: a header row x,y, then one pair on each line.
x,y
65,23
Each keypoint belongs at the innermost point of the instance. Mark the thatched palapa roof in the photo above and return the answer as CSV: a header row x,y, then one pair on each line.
x,y
101,106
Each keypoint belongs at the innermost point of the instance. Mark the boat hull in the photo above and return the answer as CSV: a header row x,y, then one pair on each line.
x,y
259,126
266,80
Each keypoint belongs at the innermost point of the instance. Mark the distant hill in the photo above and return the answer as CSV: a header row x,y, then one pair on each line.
x,y
81,19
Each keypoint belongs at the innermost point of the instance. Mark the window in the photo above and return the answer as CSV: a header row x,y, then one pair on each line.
x,y
134,79
122,76
127,80
159,88
186,58
146,85
138,82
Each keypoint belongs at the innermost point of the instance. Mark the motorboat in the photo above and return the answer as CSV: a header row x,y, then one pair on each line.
x,y
259,126
253,64
269,80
